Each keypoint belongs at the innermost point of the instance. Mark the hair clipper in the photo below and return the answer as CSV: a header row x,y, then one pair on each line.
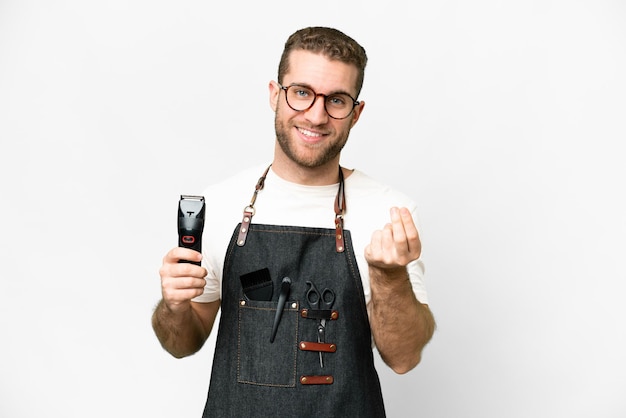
x,y
190,223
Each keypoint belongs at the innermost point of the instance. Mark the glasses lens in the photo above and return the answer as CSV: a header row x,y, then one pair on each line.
x,y
339,106
300,98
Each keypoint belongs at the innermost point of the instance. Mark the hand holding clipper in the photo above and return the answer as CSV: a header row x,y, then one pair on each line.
x,y
190,223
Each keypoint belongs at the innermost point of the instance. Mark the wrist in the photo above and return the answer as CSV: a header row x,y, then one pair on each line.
x,y
173,311
389,279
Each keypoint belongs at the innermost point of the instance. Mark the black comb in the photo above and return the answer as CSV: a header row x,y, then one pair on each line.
x,y
257,285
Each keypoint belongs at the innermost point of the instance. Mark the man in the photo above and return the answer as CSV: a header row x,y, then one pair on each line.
x,y
309,234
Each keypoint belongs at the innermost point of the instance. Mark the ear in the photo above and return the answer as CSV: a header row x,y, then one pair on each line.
x,y
356,113
274,93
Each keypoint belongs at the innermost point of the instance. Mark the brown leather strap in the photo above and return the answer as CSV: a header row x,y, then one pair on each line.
x,y
317,380
340,210
248,211
245,225
313,346
319,314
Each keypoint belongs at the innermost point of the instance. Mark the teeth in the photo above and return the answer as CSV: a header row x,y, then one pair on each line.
x,y
309,133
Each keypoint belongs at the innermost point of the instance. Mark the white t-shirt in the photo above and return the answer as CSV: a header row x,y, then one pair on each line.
x,y
283,203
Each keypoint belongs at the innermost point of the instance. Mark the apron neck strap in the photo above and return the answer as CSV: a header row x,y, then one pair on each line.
x,y
340,209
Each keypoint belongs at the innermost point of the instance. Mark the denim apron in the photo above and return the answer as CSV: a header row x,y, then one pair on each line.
x,y
296,375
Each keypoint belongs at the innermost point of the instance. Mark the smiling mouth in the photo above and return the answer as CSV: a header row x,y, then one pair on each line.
x,y
310,134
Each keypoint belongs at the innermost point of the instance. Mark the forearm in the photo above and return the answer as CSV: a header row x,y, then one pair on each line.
x,y
401,325
181,333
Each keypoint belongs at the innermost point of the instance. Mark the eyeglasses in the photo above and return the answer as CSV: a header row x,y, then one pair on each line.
x,y
301,98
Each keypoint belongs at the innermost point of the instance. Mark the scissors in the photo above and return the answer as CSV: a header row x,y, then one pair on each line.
x,y
320,301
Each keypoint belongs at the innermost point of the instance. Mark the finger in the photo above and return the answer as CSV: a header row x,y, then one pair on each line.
x,y
176,295
387,239
181,253
176,269
411,233
374,250
183,283
181,289
375,245
399,235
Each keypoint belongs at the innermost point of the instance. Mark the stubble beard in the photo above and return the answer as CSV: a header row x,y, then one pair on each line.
x,y
326,152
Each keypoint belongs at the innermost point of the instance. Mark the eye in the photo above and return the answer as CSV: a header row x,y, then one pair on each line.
x,y
338,100
301,92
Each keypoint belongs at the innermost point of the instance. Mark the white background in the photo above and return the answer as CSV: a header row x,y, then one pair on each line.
x,y
505,120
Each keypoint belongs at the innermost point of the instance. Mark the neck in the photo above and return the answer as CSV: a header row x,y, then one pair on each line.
x,y
317,176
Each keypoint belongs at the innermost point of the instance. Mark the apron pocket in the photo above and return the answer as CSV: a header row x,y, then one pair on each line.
x,y
260,362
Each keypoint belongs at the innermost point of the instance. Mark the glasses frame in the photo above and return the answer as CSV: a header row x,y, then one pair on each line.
x,y
355,102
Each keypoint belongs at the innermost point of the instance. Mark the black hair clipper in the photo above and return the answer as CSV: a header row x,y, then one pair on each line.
x,y
190,223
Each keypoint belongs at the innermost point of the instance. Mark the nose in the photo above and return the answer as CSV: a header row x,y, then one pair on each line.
x,y
317,114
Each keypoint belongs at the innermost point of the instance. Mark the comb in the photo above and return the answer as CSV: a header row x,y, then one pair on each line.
x,y
257,285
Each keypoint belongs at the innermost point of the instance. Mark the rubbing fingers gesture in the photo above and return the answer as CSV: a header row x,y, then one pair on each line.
x,y
397,244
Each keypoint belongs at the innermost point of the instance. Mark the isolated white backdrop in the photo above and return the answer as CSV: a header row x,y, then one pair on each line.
x,y
504,120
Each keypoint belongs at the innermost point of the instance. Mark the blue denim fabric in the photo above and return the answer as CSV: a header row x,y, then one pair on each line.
x,y
252,377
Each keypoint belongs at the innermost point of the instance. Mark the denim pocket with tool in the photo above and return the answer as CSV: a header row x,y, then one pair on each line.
x,y
260,362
